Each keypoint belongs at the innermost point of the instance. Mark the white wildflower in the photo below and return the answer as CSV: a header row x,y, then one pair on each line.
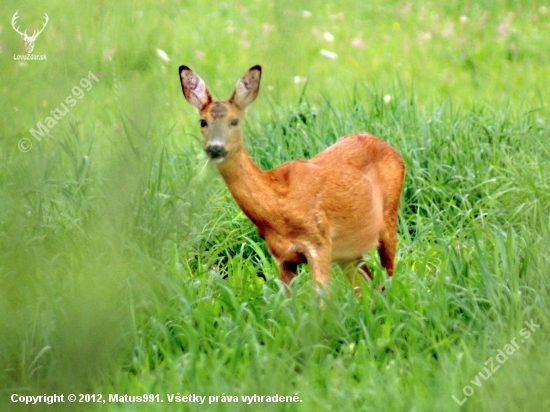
x,y
328,36
163,56
329,54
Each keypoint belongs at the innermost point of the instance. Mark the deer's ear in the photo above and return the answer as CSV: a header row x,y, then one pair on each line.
x,y
247,87
194,89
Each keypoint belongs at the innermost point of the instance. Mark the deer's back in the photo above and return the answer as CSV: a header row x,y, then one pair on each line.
x,y
341,193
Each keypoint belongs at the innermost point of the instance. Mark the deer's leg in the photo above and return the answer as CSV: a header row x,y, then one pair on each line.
x,y
319,260
287,270
388,237
387,248
356,270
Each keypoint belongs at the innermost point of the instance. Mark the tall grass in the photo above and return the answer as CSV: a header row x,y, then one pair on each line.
x,y
126,267
140,275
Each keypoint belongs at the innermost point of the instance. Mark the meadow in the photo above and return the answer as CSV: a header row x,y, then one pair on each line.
x,y
127,268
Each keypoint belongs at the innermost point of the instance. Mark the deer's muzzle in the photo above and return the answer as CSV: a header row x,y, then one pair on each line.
x,y
215,151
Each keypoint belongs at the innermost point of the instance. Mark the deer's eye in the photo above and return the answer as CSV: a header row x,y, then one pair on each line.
x,y
234,122
203,123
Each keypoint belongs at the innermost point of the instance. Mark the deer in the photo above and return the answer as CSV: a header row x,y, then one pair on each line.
x,y
29,40
333,207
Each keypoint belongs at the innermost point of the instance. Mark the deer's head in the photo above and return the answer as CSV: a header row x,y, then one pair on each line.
x,y
220,120
29,40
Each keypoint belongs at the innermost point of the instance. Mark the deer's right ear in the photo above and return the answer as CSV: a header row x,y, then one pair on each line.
x,y
194,89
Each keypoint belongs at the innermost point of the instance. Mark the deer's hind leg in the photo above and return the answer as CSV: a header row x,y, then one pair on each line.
x,y
386,251
387,243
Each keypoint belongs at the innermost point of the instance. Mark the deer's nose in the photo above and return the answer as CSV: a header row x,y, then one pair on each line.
x,y
215,151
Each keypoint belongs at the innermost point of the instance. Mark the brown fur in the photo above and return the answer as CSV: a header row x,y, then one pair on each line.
x,y
334,207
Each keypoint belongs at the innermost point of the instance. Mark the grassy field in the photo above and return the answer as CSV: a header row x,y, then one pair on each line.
x,y
126,267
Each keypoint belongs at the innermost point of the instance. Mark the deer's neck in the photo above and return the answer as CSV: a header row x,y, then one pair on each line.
x,y
252,188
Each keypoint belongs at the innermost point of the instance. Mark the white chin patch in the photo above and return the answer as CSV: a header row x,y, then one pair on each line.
x,y
218,160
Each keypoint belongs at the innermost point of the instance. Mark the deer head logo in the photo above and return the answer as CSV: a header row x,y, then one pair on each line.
x,y
29,40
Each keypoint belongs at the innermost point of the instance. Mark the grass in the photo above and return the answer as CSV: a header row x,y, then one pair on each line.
x,y
126,267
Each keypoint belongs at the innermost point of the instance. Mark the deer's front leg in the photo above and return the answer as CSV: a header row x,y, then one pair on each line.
x,y
287,270
318,259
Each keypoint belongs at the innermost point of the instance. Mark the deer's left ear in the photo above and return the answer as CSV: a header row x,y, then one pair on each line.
x,y
194,89
247,87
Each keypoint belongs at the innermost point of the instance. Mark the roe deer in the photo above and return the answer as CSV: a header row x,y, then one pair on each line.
x,y
333,207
